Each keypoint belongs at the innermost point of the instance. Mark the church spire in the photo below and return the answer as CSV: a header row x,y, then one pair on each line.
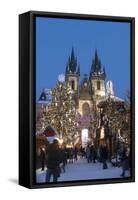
x,y
92,66
96,67
72,63
72,54
96,57
97,62
72,72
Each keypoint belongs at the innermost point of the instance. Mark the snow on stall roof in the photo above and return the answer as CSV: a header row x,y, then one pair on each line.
x,y
112,97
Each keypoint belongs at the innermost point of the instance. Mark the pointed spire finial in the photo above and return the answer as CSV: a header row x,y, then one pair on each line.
x,y
72,54
96,56
72,62
96,67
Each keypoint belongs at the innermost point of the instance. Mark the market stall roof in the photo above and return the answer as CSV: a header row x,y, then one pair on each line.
x,y
105,100
49,131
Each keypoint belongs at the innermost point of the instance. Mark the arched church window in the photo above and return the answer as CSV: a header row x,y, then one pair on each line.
x,y
98,85
85,109
72,84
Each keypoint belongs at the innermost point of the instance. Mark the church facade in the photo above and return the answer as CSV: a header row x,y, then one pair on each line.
x,y
91,89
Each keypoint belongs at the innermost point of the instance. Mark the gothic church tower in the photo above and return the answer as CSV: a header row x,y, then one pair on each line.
x,y
97,77
72,74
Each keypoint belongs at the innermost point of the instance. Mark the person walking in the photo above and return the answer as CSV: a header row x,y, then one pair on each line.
x,y
75,153
63,158
82,152
93,153
88,154
42,158
53,161
70,155
124,160
104,155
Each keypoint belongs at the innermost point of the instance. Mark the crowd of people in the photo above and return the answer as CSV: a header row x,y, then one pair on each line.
x,y
57,157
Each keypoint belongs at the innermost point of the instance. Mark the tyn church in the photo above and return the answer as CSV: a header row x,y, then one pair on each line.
x,y
92,87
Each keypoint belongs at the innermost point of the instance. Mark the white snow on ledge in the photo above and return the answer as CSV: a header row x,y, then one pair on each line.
x,y
113,98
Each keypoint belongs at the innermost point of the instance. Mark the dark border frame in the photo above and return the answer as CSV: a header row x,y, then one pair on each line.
x,y
27,51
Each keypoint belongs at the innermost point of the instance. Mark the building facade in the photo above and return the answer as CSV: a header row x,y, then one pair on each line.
x,y
88,91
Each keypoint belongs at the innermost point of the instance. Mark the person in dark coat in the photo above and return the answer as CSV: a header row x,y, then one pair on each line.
x,y
70,155
99,153
124,160
53,161
104,155
82,152
63,154
93,153
88,154
75,153
42,158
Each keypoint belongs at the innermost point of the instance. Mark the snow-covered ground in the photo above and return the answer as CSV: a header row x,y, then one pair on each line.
x,y
81,170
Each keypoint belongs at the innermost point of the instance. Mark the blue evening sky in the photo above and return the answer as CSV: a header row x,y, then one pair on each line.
x,y
54,41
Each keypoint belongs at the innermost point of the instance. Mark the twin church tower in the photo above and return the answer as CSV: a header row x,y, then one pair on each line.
x,y
92,87
90,90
